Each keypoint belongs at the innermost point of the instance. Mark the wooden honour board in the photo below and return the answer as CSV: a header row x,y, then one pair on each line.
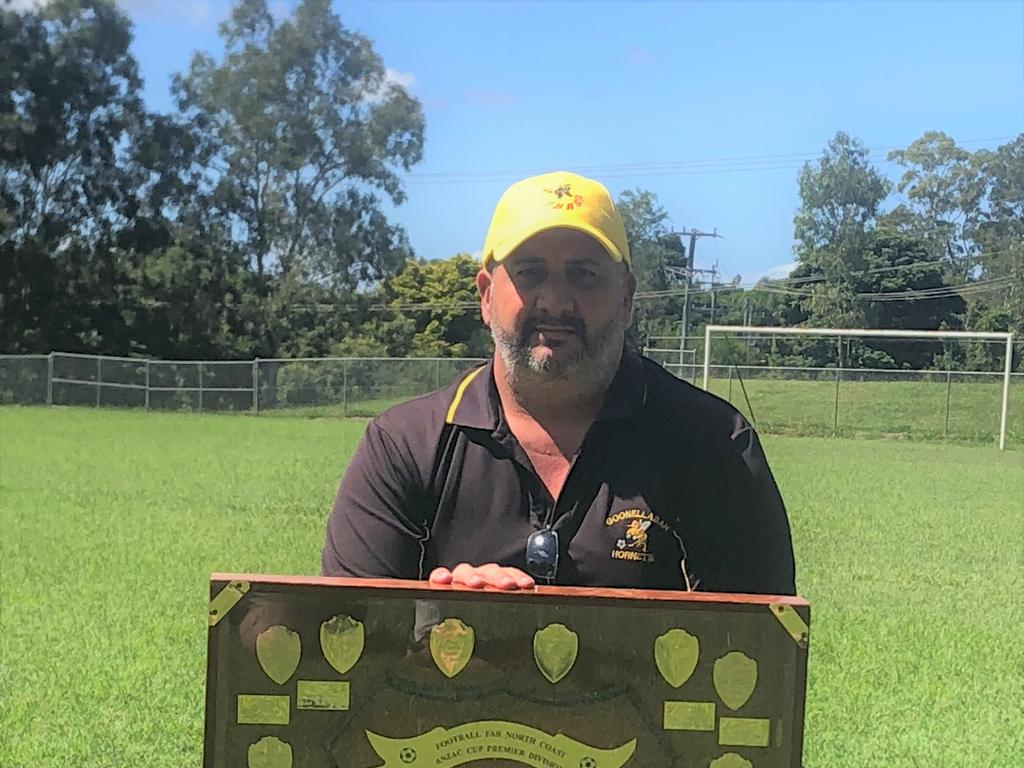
x,y
354,673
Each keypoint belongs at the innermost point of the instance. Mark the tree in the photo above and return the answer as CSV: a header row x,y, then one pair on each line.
x,y
657,254
431,309
969,208
70,103
302,127
896,263
1001,237
840,197
189,292
945,189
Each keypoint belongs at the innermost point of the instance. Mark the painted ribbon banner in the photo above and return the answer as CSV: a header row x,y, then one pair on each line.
x,y
494,739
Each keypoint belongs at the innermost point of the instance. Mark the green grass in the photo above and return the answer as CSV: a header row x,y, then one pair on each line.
x,y
904,409
911,554
352,409
914,409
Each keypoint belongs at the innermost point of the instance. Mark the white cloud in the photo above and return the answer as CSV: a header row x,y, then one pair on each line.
x,y
394,77
391,77
776,273
196,13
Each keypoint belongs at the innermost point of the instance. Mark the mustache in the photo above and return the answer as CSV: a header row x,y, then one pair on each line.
x,y
534,322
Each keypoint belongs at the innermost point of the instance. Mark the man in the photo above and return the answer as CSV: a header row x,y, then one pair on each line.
x,y
566,459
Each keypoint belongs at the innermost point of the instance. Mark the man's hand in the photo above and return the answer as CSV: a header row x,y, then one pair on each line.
x,y
480,576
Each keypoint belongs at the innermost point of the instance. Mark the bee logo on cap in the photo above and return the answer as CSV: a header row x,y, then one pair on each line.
x,y
564,198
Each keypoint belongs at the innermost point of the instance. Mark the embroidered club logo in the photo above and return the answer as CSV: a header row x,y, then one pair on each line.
x,y
633,541
636,535
565,198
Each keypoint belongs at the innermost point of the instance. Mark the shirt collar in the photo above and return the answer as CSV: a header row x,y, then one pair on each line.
x,y
476,403
628,391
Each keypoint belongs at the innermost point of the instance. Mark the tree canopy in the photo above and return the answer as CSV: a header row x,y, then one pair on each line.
x,y
250,220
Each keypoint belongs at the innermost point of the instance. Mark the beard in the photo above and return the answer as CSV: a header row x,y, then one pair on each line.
x,y
585,371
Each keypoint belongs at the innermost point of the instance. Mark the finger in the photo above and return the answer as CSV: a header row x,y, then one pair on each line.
x,y
513,578
522,580
498,577
440,576
468,576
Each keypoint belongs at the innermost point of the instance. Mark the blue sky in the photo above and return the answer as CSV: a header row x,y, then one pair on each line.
x,y
665,96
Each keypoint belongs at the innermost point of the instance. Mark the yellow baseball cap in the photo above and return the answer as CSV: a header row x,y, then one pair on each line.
x,y
552,201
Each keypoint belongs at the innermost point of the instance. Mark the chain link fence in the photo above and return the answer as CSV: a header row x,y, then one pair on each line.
x,y
856,402
313,386
782,400
350,386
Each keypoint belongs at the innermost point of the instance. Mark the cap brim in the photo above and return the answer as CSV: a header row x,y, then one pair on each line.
x,y
595,233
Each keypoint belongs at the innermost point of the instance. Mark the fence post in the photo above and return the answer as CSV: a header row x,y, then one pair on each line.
x,y
99,379
1007,372
731,369
200,387
344,388
835,415
147,385
49,379
256,385
949,376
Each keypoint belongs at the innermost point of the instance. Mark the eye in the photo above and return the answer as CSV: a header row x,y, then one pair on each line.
x,y
581,273
529,273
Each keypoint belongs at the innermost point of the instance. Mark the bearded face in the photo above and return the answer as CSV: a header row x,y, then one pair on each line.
x,y
558,308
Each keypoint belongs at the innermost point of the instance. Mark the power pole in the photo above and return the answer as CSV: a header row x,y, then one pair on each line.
x,y
688,275
714,284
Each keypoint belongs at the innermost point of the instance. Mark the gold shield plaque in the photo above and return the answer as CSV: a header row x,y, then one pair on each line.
x,y
278,650
451,646
270,752
342,639
735,676
731,760
675,654
554,649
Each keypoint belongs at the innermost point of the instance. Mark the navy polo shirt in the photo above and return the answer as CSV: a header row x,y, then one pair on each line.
x,y
668,477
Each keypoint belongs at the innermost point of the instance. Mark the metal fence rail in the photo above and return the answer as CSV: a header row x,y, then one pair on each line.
x,y
800,400
347,386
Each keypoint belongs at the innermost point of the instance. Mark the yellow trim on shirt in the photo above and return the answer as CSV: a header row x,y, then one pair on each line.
x,y
450,418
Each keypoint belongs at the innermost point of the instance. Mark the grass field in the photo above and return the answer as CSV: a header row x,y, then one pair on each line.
x,y
910,553
910,408
914,409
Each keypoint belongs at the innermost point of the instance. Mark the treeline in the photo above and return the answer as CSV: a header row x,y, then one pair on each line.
x,y
248,222
948,255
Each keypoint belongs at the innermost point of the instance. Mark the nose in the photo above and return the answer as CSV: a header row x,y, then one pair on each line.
x,y
555,297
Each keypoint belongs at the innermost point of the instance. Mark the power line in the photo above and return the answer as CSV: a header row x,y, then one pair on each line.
x,y
922,294
946,292
787,282
785,286
790,161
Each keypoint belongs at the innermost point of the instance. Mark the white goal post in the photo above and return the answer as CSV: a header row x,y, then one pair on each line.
x,y
890,333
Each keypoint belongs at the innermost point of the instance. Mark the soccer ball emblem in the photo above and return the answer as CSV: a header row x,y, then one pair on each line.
x,y
407,755
588,762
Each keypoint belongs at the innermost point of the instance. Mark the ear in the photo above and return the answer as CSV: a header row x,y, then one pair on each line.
x,y
628,289
484,279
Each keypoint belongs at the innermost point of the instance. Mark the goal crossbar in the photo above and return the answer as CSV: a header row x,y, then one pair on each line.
x,y
876,332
